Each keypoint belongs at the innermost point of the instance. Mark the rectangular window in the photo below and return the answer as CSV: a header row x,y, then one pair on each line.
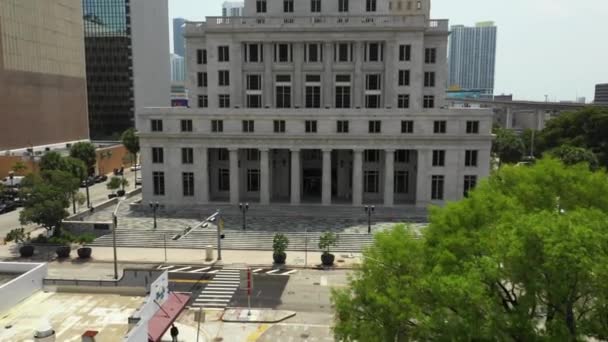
x,y
374,52
254,101
283,94
375,126
343,52
438,158
253,180
342,126
342,97
204,56
402,156
407,126
158,155
283,53
311,126
187,155
470,182
472,127
430,55
370,5
223,78
157,125
223,154
186,125
253,53
223,180
429,79
439,127
279,126
437,188
313,96
260,6
223,54
224,100
188,184
402,182
313,53
470,158
199,56
203,101
404,78
217,126
372,82
315,6
403,101
405,53
371,156
253,154
429,101
372,101
371,182
288,6
248,126
159,183
342,5
200,79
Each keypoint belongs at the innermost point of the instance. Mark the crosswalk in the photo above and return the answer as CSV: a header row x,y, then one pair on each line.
x,y
218,293
213,270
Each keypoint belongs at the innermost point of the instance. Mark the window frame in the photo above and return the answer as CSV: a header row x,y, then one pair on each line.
x,y
187,155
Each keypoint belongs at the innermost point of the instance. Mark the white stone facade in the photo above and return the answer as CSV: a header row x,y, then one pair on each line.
x,y
320,105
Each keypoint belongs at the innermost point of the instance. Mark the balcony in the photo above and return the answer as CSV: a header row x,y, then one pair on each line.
x,y
338,23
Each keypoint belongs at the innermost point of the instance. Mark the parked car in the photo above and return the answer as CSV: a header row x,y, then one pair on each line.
x,y
119,172
101,178
5,207
136,167
89,181
16,181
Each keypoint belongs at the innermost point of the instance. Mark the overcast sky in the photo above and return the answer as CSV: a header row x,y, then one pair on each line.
x,y
557,48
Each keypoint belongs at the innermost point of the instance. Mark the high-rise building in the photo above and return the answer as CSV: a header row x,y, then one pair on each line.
x,y
178,69
472,57
601,94
127,63
43,97
331,109
178,36
232,8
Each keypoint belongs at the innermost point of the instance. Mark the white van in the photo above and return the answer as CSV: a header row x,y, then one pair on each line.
x,y
16,181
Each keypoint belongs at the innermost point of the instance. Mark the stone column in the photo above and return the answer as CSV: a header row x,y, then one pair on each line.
x,y
357,82
423,179
389,75
326,184
328,57
295,176
389,178
357,177
509,118
540,119
204,169
298,78
234,175
236,76
264,177
268,81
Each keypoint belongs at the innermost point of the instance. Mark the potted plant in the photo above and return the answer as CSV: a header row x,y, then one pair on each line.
x,y
279,245
18,235
327,240
114,184
84,252
64,241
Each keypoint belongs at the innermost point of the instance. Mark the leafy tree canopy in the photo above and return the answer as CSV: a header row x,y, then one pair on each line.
x,y
523,258
508,146
130,140
84,151
571,155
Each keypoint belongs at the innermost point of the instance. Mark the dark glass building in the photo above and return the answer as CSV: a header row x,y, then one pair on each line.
x,y
108,51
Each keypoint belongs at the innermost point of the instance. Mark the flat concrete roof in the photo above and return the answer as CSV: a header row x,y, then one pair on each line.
x,y
70,315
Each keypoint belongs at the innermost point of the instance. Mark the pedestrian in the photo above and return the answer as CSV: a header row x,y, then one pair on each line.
x,y
174,333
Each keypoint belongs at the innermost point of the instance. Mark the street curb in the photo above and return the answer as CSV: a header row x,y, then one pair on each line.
x,y
288,314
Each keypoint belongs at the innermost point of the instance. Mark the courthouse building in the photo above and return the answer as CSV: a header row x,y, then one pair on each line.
x,y
324,102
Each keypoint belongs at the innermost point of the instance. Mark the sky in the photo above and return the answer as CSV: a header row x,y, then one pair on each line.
x,y
557,48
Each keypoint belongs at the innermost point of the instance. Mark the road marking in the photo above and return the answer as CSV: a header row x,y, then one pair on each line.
x,y
323,281
273,271
189,281
161,267
207,295
289,272
200,270
213,272
258,333
257,270
180,269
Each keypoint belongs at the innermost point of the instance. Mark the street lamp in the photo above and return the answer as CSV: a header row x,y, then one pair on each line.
x,y
369,209
244,207
11,175
154,206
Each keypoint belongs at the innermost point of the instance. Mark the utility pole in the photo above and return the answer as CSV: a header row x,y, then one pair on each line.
x,y
369,209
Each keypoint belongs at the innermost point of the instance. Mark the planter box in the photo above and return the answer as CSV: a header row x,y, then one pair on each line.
x,y
63,252
84,252
279,258
26,251
327,259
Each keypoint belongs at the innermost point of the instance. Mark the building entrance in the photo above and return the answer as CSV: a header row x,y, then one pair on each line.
x,y
312,183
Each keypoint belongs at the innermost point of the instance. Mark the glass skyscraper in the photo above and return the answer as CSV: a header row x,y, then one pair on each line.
x,y
178,37
472,57
107,26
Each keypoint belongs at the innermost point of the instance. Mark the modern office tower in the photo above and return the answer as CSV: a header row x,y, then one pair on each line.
x,y
344,104
472,57
178,69
232,8
178,36
43,97
601,94
127,62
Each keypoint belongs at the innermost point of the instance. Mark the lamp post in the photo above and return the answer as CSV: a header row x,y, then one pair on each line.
x,y
115,221
154,206
244,207
369,209
11,175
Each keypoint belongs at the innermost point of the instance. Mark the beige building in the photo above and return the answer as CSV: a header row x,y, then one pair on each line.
x,y
42,73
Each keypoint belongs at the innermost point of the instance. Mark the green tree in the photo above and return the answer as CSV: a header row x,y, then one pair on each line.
x,y
51,161
571,155
131,142
85,151
46,197
508,146
585,128
523,258
19,167
116,183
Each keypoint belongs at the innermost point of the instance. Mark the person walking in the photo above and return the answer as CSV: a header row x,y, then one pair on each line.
x,y
174,333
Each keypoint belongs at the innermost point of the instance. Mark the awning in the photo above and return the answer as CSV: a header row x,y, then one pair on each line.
x,y
166,315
